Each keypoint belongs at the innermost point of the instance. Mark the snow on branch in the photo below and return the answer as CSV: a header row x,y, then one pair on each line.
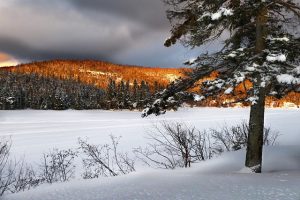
x,y
278,58
217,15
280,39
287,79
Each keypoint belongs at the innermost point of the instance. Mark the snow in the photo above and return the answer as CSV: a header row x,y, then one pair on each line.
x,y
252,68
96,73
249,170
220,13
146,110
263,84
215,179
282,39
253,100
34,132
288,79
191,60
297,70
289,105
157,101
232,55
240,78
246,170
171,100
216,16
274,58
228,91
227,12
198,97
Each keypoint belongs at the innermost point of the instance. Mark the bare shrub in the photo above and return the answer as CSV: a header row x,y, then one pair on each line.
x,y
270,137
25,178
15,175
105,160
175,145
58,166
233,138
7,167
202,146
178,145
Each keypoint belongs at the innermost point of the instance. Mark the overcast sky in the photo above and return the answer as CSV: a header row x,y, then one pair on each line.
x,y
120,31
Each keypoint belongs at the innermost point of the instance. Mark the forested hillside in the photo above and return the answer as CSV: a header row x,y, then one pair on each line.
x,y
99,73
63,84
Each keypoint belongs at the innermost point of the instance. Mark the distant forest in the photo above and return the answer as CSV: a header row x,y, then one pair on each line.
x,y
60,85
22,91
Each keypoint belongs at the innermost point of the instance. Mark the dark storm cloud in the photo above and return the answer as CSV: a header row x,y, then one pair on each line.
x,y
27,53
123,31
147,12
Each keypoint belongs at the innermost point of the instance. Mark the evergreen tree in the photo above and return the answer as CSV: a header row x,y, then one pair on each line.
x,y
142,90
111,89
135,90
134,95
261,44
127,95
122,94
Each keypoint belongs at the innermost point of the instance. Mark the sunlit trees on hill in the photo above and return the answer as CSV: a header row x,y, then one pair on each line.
x,y
98,73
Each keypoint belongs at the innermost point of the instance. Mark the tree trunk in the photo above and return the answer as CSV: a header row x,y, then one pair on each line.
x,y
256,133
257,112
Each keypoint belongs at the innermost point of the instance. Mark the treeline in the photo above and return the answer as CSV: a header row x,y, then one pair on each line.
x,y
35,91
22,91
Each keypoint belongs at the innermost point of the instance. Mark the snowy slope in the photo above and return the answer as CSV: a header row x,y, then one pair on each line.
x,y
216,179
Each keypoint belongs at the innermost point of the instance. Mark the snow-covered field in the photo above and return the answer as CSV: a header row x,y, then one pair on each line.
x,y
35,132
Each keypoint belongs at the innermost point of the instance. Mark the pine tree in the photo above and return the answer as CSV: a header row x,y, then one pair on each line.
x,y
135,90
122,94
134,96
127,101
261,45
142,91
111,93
